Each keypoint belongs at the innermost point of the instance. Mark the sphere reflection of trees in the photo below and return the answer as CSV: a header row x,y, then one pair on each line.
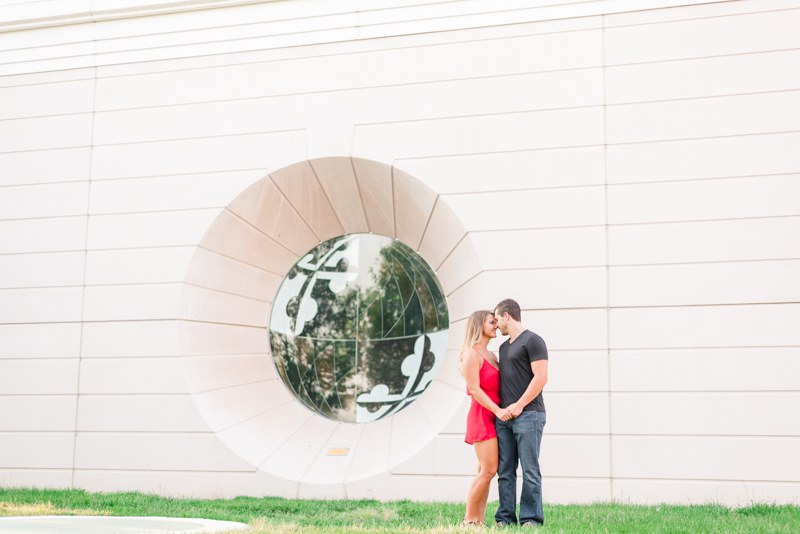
x,y
350,357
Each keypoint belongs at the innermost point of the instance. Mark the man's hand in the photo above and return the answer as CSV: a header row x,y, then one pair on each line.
x,y
515,409
539,368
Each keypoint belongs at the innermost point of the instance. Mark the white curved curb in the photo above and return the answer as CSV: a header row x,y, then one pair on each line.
x,y
117,525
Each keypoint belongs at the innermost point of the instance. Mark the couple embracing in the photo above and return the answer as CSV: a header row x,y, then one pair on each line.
x,y
507,416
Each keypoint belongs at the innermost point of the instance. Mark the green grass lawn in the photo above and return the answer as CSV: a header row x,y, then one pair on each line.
x,y
271,514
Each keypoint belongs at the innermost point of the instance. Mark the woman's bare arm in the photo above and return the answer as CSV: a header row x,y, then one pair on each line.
x,y
472,374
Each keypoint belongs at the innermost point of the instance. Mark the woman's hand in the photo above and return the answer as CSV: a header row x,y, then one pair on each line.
x,y
503,414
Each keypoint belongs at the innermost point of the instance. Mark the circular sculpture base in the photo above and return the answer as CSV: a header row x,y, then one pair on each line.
x,y
117,525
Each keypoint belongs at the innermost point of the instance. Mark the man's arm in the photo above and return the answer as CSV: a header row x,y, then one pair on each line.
x,y
539,368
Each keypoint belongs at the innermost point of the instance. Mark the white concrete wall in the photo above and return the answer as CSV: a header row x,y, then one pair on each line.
x,y
632,178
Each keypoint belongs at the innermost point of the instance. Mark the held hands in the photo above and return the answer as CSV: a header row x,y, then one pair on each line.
x,y
503,414
514,409
512,412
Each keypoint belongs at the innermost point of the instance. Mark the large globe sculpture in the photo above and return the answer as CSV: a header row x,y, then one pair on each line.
x,y
359,328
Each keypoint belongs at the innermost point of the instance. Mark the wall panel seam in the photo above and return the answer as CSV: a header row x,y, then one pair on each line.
x,y
175,471
188,471
319,184
83,292
470,279
354,89
427,220
359,25
691,58
691,221
703,138
262,232
709,347
45,116
378,50
100,250
476,116
177,175
712,305
612,185
31,184
692,19
479,28
96,55
714,480
638,266
198,321
706,179
117,394
703,97
470,476
536,228
705,392
294,209
151,9
618,225
493,152
207,288
237,260
705,262
48,82
322,45
30,150
607,264
233,386
114,214
259,414
199,138
207,433
697,58
178,105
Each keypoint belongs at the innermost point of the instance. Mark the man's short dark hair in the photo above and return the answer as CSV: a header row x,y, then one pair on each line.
x,y
511,307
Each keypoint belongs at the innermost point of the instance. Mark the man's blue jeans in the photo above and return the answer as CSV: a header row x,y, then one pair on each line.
x,y
519,440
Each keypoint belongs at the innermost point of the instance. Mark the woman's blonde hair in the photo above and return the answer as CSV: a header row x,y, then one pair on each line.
x,y
473,334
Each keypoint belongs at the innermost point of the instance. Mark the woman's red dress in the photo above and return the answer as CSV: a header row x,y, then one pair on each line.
x,y
480,421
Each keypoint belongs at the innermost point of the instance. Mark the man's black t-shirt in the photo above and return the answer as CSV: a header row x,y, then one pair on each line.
x,y
515,369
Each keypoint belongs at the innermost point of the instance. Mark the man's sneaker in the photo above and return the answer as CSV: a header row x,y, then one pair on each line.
x,y
531,524
500,524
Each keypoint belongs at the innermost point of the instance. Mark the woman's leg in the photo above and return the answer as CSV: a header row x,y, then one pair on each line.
x,y
483,501
479,489
491,454
470,512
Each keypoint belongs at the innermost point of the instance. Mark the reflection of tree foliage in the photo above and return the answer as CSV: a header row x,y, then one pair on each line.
x,y
405,299
360,336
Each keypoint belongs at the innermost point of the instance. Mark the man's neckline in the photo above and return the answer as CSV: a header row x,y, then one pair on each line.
x,y
516,338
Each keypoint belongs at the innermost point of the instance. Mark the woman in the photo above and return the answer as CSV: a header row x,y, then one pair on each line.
x,y
480,369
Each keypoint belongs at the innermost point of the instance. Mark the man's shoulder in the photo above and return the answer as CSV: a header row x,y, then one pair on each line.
x,y
531,336
535,344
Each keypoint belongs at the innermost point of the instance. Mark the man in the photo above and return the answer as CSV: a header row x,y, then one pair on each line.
x,y
523,374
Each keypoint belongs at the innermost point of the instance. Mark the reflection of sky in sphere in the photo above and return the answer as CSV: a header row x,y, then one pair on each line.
x,y
359,327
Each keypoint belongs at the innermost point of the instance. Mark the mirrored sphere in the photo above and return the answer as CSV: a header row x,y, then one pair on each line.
x,y
359,328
